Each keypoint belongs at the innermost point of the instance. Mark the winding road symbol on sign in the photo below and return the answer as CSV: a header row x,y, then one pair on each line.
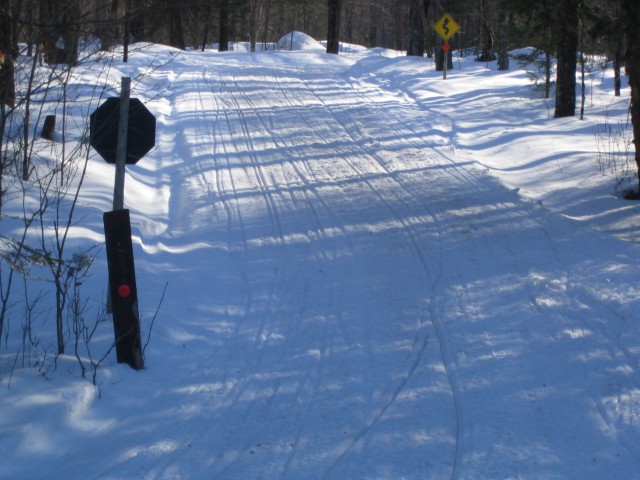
x,y
446,27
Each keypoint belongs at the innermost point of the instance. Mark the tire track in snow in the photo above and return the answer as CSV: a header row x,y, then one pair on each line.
x,y
311,197
288,164
229,114
234,385
420,345
356,138
235,101
230,117
402,205
435,314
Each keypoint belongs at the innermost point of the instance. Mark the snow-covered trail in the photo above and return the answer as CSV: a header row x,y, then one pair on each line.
x,y
309,193
358,297
353,260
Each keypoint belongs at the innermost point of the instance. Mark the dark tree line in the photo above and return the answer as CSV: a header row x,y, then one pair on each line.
x,y
489,28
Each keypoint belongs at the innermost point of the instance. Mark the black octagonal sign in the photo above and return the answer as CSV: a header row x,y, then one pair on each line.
x,y
103,130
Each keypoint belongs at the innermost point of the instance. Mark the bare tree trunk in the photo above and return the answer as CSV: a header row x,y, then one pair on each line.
x,y
503,28
631,13
374,19
265,33
485,48
176,38
254,7
127,30
440,58
7,83
205,36
547,74
136,21
567,16
416,39
70,31
223,39
58,34
617,64
333,30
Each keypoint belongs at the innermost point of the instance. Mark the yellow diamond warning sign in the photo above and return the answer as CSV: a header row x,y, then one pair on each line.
x,y
446,27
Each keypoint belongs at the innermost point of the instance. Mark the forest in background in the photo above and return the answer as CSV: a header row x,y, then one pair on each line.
x,y
488,29
485,24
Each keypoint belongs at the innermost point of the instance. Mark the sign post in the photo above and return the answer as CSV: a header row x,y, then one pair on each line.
x,y
122,288
121,147
122,131
446,27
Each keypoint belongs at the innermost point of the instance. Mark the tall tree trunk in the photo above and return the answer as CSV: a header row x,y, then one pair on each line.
x,y
416,39
254,13
128,14
7,83
223,41
108,30
502,43
485,48
631,14
547,74
265,32
375,13
440,57
567,23
205,35
59,31
136,21
175,27
70,31
617,65
333,30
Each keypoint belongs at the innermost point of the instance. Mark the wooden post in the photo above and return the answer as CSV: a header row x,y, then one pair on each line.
x,y
122,288
49,127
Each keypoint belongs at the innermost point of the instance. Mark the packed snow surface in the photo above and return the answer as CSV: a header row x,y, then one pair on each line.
x,y
372,273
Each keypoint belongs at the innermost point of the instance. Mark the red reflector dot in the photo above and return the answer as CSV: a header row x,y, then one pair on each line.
x,y
124,291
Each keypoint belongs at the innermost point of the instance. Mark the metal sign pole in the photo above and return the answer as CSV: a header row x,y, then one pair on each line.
x,y
121,148
121,157
446,63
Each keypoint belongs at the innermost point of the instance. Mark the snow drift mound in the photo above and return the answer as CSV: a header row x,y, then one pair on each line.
x,y
298,41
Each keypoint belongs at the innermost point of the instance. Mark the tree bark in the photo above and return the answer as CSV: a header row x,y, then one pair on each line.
x,y
175,26
485,48
136,21
223,41
617,66
631,14
440,57
7,82
502,43
333,28
567,23
416,41
59,31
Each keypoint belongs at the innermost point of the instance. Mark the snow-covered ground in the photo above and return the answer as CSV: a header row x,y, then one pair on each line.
x,y
373,273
